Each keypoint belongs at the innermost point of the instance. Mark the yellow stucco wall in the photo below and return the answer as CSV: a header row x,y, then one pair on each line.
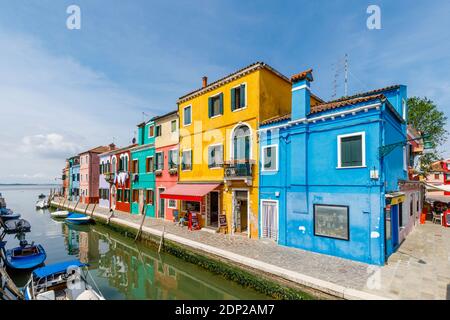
x,y
167,137
267,95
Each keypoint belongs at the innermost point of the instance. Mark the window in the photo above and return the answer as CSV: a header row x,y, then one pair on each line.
x,y
126,197
241,143
135,166
186,160
331,221
78,177
151,131
192,206
411,207
119,195
173,125
149,164
159,161
270,158
158,131
135,195
149,196
215,105
351,150
187,115
436,176
114,164
269,219
172,204
173,159
215,156
238,97
404,109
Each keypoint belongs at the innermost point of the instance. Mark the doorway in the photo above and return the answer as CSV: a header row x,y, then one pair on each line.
x,y
240,205
214,208
269,219
162,204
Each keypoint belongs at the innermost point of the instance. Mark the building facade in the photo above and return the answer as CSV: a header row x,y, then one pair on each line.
x,y
325,185
74,176
105,178
166,162
66,179
120,189
218,171
439,175
142,171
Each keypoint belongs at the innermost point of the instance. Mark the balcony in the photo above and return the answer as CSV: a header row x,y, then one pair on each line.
x,y
109,177
238,170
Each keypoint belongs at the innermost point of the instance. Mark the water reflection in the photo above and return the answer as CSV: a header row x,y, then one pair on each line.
x,y
137,272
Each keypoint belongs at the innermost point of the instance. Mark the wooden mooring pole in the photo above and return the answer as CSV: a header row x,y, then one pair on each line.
x,y
144,213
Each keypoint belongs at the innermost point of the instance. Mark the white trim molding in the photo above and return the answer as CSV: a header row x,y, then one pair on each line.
x,y
363,149
263,158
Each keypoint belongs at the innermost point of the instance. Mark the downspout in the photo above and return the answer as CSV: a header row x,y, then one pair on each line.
x,y
383,191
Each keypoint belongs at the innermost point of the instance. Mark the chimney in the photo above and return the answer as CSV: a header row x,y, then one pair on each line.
x,y
204,81
112,146
301,94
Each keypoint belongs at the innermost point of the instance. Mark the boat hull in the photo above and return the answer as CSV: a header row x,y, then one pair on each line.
x,y
78,218
12,216
27,262
59,214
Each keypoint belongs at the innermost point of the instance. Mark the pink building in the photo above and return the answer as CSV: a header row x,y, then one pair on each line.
x,y
166,162
89,174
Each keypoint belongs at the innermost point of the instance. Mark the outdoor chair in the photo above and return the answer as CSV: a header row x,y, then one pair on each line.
x,y
437,218
175,216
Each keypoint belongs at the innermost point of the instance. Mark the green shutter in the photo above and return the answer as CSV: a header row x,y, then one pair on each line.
x,y
233,99
351,151
242,96
221,103
210,111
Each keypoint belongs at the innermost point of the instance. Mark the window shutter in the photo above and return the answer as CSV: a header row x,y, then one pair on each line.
x,y
210,111
233,99
221,103
242,96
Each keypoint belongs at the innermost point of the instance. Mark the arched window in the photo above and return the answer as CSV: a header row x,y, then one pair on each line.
x,y
114,164
241,143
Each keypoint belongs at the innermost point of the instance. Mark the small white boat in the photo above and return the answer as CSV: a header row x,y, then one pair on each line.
x,y
61,281
42,204
59,214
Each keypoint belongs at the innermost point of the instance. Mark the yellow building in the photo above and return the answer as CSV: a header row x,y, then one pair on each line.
x,y
219,149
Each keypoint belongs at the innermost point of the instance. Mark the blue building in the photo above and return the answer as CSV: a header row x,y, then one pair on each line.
x,y
74,176
324,185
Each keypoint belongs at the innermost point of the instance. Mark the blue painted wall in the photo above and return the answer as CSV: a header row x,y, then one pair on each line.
x,y
308,174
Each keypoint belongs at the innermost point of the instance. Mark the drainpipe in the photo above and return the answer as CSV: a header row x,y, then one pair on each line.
x,y
382,194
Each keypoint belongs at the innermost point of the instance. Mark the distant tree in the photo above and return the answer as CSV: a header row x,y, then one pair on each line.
x,y
425,117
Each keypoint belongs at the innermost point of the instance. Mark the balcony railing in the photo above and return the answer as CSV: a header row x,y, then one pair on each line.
x,y
238,169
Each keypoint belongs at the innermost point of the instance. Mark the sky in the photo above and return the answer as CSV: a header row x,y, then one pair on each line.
x,y
64,91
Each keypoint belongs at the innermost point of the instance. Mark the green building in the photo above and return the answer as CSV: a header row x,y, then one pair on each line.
x,y
142,171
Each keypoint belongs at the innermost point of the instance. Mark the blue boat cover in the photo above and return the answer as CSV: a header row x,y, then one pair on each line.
x,y
57,268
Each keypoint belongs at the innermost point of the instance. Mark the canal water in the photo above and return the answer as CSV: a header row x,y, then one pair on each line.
x,y
121,268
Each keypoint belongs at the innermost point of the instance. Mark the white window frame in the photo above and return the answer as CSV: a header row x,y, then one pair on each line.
x,y
223,155
168,157
246,104
363,147
181,162
168,204
151,125
184,115
176,125
231,140
278,217
212,96
153,167
263,158
162,159
160,130
404,109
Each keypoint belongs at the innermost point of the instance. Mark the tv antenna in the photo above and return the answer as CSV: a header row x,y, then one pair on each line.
x,y
342,66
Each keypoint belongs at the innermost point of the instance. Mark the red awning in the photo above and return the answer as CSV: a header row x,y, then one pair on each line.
x,y
189,192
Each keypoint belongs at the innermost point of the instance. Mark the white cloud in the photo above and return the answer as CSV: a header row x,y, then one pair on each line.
x,y
50,145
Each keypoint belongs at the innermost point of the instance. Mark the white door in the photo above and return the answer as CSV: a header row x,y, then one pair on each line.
x,y
269,216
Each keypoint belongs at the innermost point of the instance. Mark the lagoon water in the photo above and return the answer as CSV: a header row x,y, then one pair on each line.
x,y
121,268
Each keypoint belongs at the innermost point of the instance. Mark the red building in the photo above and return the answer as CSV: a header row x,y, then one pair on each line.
x,y
120,190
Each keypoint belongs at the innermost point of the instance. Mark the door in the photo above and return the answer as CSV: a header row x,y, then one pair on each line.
x,y
269,223
214,209
162,204
395,225
113,197
141,201
241,210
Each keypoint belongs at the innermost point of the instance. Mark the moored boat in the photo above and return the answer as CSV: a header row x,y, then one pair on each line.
x,y
25,257
61,281
8,214
42,204
78,218
59,214
42,196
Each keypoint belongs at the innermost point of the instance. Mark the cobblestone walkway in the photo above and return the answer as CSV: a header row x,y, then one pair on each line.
x,y
420,269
